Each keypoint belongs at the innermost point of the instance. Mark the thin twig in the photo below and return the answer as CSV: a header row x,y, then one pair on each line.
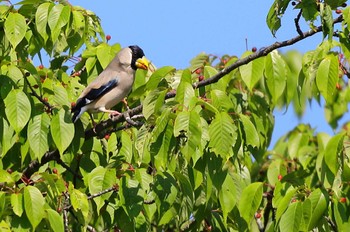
x,y
296,21
90,228
66,207
46,103
75,174
112,189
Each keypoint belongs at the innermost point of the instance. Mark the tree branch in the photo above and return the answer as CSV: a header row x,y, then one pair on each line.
x,y
99,128
115,188
296,21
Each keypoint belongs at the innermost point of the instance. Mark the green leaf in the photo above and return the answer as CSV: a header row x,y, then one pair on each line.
x,y
55,220
18,109
251,134
127,147
101,179
275,14
80,202
333,152
250,201
318,207
275,168
5,227
8,137
157,76
105,54
62,130
41,17
60,97
327,76
185,91
223,135
38,130
153,102
252,72
327,21
17,203
189,123
57,19
227,196
309,9
34,205
15,28
292,218
276,71
282,198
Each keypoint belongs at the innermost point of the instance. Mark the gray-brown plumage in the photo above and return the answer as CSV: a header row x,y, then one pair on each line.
x,y
112,85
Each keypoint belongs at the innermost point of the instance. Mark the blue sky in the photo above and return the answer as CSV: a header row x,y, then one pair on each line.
x,y
173,32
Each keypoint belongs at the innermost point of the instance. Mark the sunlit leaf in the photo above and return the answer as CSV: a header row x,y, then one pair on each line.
x,y
223,135
58,17
250,201
34,205
333,152
251,134
62,130
327,76
252,72
38,129
41,16
292,218
18,109
15,28
55,219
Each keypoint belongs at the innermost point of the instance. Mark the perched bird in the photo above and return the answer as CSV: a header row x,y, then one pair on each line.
x,y
113,84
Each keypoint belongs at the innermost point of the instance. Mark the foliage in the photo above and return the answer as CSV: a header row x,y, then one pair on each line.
x,y
194,155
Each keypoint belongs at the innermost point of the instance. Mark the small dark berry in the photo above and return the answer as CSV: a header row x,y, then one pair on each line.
x,y
258,215
198,71
107,136
254,49
35,86
200,78
344,4
338,11
9,170
41,66
108,37
294,3
54,170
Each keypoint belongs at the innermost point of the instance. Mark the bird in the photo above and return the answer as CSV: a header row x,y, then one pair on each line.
x,y
113,84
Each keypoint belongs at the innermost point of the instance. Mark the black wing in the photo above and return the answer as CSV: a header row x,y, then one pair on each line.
x,y
94,94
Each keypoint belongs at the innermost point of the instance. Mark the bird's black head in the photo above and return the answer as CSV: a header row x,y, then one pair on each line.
x,y
137,53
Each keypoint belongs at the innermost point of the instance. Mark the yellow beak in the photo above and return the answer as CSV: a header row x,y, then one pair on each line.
x,y
142,63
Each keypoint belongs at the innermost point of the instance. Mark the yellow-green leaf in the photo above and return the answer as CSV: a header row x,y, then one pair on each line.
x,y
18,109
34,205
327,76
15,28
250,201
38,130
276,71
62,130
223,135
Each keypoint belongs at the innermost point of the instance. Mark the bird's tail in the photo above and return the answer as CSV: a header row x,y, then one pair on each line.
x,y
76,115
